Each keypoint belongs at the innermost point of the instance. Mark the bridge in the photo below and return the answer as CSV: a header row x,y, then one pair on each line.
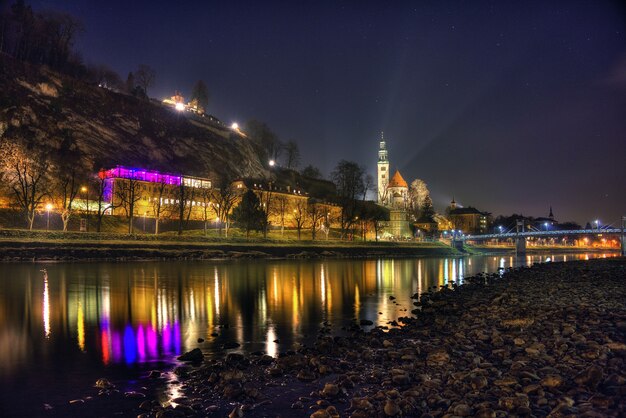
x,y
519,235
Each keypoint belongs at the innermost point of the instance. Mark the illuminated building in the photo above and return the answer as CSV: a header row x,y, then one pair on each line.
x,y
393,193
469,220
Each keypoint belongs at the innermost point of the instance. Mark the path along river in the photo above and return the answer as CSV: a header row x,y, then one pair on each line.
x,y
64,325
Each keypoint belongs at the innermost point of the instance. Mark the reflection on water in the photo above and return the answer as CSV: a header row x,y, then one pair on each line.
x,y
124,314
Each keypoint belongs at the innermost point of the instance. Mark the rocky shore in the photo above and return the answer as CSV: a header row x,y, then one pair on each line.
x,y
549,340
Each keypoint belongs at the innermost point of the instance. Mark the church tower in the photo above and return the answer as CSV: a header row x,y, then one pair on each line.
x,y
383,171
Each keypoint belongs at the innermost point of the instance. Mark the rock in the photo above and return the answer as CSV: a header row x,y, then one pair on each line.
x,y
551,381
366,322
330,390
437,358
154,374
237,412
306,375
297,405
320,413
391,408
590,377
103,383
194,356
463,410
200,340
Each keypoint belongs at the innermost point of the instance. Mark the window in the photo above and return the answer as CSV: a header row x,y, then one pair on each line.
x,y
383,168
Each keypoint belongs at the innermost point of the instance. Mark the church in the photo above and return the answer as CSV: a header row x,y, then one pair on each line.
x,y
393,193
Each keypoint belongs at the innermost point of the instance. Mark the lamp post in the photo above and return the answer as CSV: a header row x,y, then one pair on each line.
x,y
86,198
598,224
48,208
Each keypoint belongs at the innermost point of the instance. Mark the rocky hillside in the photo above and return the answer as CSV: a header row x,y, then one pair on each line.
x,y
45,110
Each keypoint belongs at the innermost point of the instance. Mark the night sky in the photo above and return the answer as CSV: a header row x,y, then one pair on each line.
x,y
507,106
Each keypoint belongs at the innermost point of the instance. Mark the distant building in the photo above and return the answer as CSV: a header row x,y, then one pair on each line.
x,y
469,220
542,223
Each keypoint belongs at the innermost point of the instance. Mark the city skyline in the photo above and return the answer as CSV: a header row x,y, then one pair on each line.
x,y
509,108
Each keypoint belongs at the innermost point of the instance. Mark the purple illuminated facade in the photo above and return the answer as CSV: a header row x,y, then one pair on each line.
x,y
149,176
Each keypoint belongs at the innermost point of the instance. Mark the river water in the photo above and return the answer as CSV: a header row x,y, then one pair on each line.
x,y
63,325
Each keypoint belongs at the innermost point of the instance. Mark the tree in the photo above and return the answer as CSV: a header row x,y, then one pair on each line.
x,y
158,204
130,83
374,214
225,197
25,175
67,190
317,214
311,172
145,76
128,194
300,215
292,154
280,208
427,212
184,203
418,192
206,195
248,214
260,132
267,206
351,182
200,94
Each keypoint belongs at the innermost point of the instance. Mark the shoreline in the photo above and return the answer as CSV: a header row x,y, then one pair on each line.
x,y
543,340
71,250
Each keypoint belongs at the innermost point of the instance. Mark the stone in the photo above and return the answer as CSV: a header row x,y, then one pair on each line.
x,y
194,356
437,358
330,390
551,381
463,410
391,408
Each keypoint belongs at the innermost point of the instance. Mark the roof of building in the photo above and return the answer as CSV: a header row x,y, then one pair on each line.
x,y
397,181
466,211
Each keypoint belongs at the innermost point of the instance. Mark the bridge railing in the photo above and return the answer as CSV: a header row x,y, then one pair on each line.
x,y
541,234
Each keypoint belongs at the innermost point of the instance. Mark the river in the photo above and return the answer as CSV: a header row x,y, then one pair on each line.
x,y
64,325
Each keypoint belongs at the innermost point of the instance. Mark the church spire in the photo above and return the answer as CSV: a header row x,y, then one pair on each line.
x,y
551,215
382,150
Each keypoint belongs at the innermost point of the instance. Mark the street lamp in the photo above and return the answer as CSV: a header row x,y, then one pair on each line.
x,y
48,209
85,192
597,224
545,224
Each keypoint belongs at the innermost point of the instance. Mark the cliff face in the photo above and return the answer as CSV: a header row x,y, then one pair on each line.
x,y
46,111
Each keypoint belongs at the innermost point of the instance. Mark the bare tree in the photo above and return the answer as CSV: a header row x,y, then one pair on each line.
x,y
292,156
300,215
25,175
158,207
206,195
128,193
184,203
317,213
266,197
352,184
281,203
144,77
225,197
67,190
